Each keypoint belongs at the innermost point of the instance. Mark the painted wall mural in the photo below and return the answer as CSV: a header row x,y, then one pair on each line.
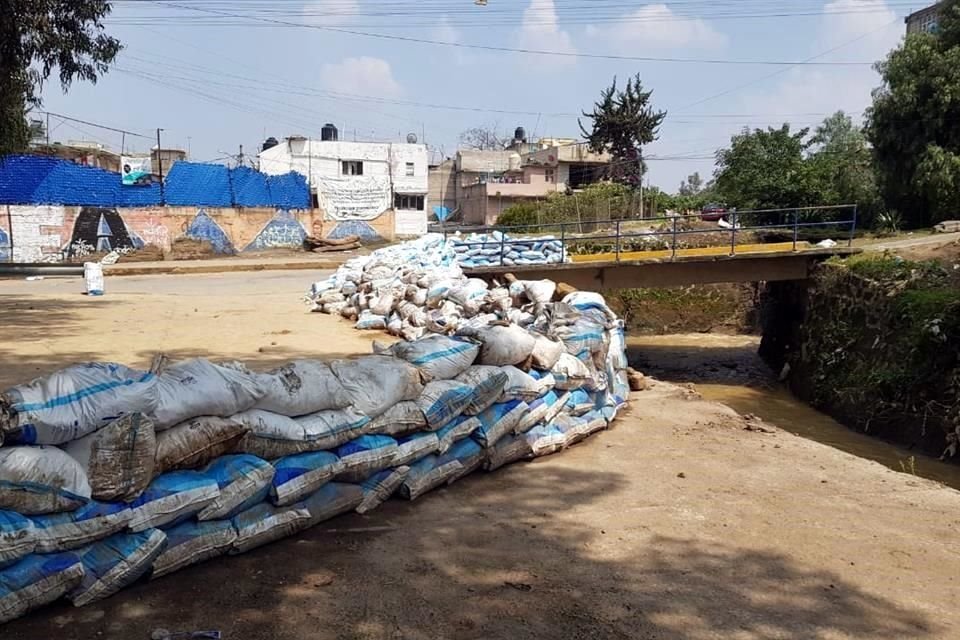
x,y
355,228
283,231
98,230
36,233
4,246
203,227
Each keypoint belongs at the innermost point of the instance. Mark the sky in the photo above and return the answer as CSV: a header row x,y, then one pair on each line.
x,y
217,74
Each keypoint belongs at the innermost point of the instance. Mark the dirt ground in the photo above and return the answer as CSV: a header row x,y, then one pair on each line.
x,y
683,521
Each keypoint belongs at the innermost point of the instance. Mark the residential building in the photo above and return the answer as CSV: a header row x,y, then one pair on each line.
x,y
923,21
442,179
367,188
165,159
488,182
88,154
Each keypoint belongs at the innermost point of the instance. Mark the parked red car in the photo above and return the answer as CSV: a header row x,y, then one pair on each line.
x,y
713,212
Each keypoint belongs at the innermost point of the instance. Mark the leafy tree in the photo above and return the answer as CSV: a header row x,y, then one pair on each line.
x,y
913,123
692,185
38,37
766,170
485,138
624,121
842,166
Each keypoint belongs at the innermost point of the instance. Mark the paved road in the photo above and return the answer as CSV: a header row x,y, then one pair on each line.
x,y
906,243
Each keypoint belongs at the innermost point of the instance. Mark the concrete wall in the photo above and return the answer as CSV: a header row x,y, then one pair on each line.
x,y
443,186
482,205
53,233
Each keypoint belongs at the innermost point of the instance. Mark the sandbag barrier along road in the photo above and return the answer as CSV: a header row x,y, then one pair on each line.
x,y
109,475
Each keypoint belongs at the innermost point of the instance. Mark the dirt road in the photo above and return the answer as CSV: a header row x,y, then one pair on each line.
x,y
678,523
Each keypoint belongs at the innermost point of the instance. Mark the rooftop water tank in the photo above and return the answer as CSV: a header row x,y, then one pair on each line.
x,y
329,133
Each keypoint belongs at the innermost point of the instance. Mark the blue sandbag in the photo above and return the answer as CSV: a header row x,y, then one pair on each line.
x,y
171,498
17,537
300,475
458,429
244,480
444,400
364,455
498,420
415,446
331,500
91,522
264,523
579,402
35,581
380,486
115,563
468,453
192,542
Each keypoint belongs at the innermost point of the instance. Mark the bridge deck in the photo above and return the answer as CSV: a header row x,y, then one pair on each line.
x,y
751,263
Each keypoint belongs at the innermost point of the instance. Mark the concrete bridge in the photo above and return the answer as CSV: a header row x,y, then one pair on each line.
x,y
773,262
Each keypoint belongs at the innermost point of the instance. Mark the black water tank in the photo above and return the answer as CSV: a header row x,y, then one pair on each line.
x,y
329,133
269,143
520,134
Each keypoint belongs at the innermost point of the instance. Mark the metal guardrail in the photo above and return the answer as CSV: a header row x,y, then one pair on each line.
x,y
794,222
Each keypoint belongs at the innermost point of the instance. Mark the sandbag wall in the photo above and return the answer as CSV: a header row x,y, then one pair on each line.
x,y
110,475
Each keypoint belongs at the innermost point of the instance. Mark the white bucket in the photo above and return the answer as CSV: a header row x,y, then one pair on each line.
x,y
93,275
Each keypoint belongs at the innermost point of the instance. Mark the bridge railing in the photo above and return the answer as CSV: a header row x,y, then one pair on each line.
x,y
668,232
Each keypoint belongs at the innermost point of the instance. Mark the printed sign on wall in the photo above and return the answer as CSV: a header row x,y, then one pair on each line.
x,y
134,171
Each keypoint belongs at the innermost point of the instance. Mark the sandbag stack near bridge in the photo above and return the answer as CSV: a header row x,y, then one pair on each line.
x,y
110,474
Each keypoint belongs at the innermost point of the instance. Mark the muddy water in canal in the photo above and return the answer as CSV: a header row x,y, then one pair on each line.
x,y
726,369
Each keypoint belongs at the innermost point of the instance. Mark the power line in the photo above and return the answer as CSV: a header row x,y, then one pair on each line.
x,y
94,124
566,54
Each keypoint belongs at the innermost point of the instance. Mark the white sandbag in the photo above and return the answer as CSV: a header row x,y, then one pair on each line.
x,y
193,542
73,402
439,357
539,291
521,386
382,305
172,498
92,522
265,523
38,480
17,537
301,475
412,448
426,475
546,352
543,409
571,373
545,439
198,387
487,383
35,581
508,449
376,383
196,442
444,400
378,488
499,420
331,500
369,321
456,430
119,458
115,563
361,458
273,436
301,387
244,481
399,420
504,345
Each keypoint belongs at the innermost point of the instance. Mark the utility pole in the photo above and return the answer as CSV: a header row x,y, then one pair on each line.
x,y
160,166
240,157
48,129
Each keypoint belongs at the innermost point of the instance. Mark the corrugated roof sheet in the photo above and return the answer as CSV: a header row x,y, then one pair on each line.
x,y
42,180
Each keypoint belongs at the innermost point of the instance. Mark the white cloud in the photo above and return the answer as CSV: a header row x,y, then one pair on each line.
x,y
859,30
656,27
329,12
446,32
364,75
541,30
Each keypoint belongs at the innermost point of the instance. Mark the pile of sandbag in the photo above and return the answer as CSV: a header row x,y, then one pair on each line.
x,y
418,287
499,249
110,475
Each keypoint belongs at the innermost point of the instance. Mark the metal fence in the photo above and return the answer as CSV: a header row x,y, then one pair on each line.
x,y
673,229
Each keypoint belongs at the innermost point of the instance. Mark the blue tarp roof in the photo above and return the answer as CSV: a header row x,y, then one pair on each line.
x,y
42,180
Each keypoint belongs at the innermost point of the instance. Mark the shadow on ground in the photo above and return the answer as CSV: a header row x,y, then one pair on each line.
x,y
733,364
516,554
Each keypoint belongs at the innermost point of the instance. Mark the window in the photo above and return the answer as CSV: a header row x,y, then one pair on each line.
x,y
550,175
409,169
410,203
352,168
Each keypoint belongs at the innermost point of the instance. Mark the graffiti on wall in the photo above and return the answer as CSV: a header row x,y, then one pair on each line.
x,y
150,234
203,227
98,230
283,231
355,228
4,246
